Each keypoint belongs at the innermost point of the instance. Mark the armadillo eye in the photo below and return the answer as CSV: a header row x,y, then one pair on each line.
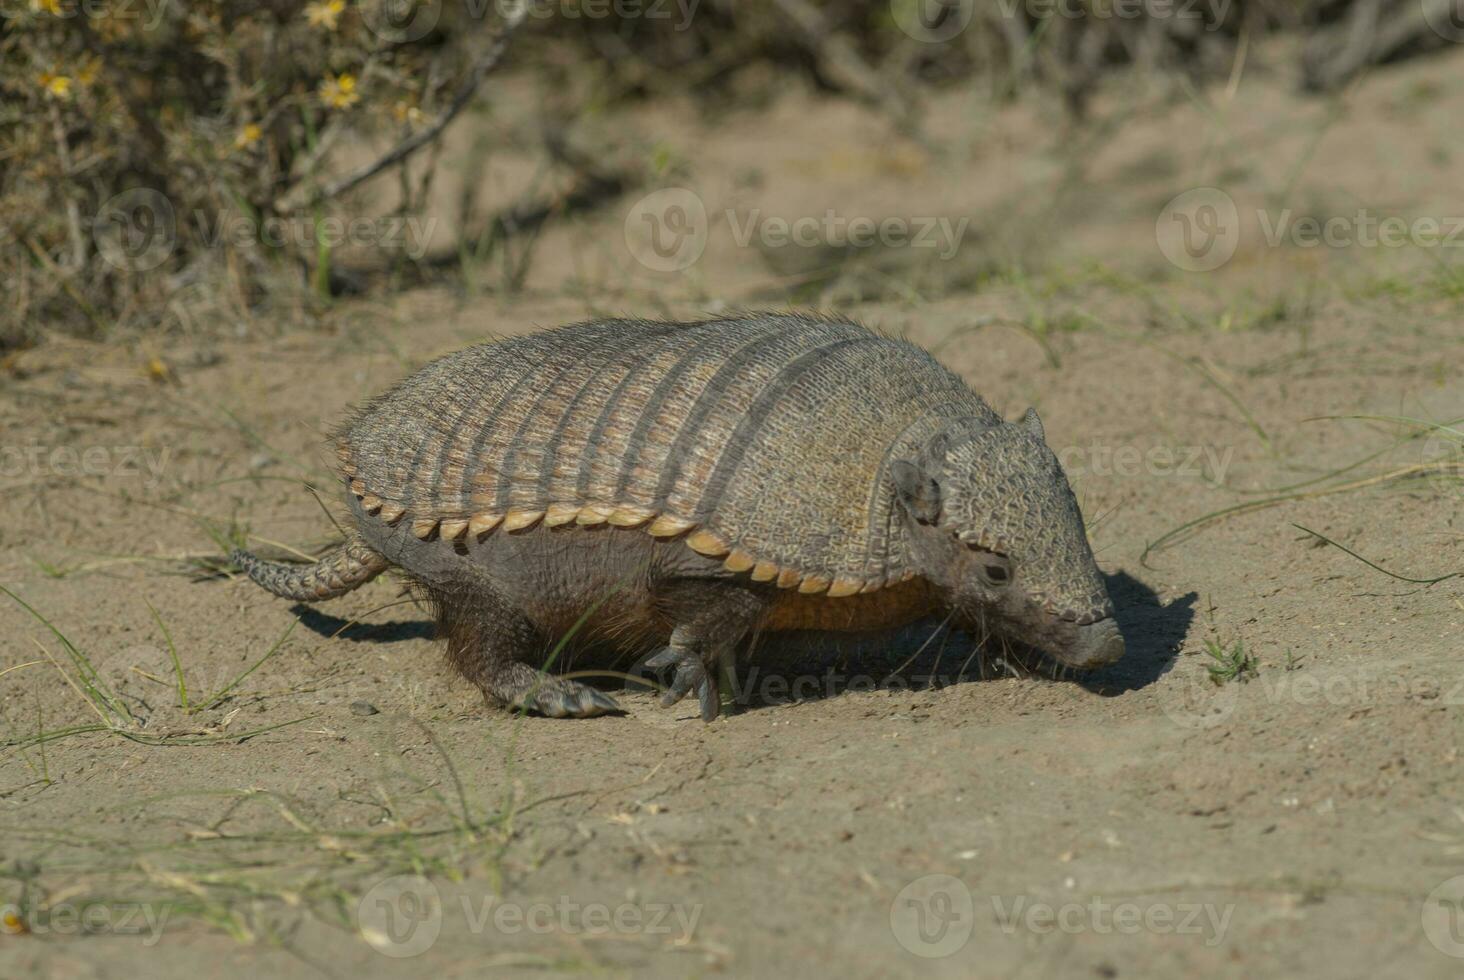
x,y
996,573
995,567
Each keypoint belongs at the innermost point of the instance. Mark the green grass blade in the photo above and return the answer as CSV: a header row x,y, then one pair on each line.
x,y
224,691
173,653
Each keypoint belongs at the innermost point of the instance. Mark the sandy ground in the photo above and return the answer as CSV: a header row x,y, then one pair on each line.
x,y
348,801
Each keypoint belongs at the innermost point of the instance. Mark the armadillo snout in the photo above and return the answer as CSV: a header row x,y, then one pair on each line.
x,y
1093,645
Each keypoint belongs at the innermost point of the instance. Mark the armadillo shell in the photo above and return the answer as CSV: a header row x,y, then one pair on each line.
x,y
768,436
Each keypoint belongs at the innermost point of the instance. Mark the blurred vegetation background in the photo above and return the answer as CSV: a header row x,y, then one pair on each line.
x,y
136,138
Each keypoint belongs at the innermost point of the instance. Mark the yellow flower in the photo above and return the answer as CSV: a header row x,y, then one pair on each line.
x,y
339,91
12,924
326,13
49,6
248,135
57,85
404,111
88,71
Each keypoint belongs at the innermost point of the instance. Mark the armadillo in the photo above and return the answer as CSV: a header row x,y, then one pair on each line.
x,y
682,488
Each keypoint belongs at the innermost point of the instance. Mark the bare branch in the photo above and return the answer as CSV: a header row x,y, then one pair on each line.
x,y
485,63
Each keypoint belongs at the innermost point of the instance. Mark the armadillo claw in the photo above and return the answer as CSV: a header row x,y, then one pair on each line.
x,y
568,699
691,675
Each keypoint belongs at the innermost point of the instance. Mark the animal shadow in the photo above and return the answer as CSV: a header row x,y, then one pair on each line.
x,y
1153,632
334,627
801,667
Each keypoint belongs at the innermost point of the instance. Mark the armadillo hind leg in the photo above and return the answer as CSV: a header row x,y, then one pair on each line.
x,y
347,567
492,644
711,619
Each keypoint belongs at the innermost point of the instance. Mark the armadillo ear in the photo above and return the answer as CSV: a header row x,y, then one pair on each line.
x,y
916,490
1034,424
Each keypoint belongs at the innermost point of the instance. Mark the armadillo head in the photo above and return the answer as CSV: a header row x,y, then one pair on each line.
x,y
993,524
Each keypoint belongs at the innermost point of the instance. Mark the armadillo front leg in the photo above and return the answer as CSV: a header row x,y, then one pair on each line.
x,y
493,644
711,619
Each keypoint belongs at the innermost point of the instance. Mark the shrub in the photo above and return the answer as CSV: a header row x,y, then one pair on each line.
x,y
153,151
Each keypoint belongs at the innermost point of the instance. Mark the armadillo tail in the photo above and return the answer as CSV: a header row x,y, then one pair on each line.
x,y
340,570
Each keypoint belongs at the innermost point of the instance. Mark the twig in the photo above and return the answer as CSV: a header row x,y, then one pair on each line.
x,y
1402,473
73,210
847,67
1375,566
485,63
1371,36
593,185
